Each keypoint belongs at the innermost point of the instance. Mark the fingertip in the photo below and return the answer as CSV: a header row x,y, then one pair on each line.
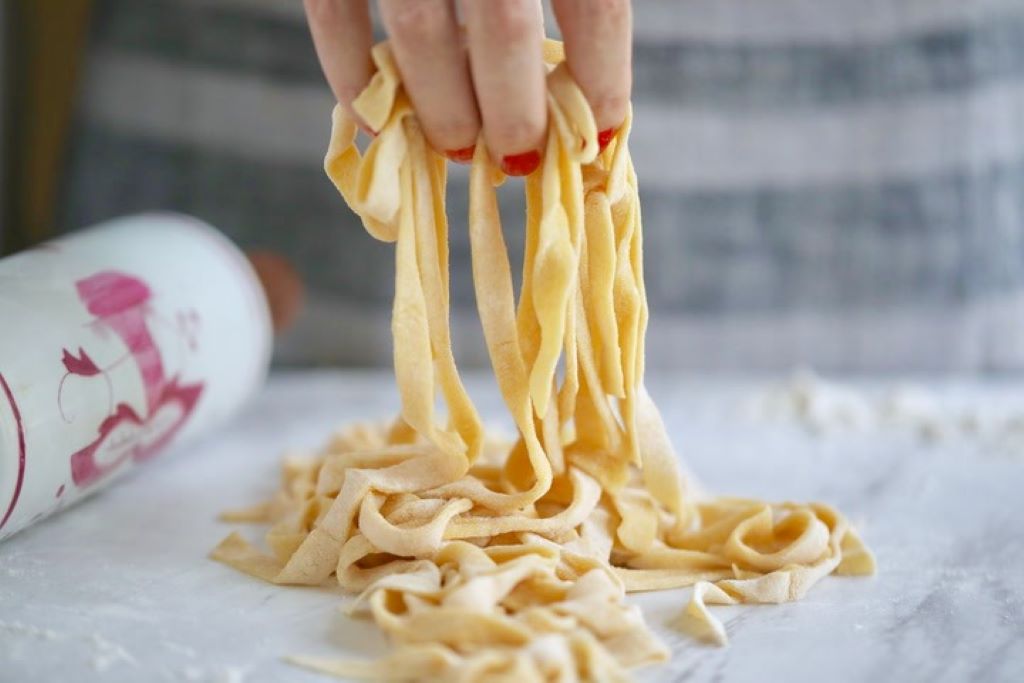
x,y
342,36
610,110
363,126
426,43
522,164
516,137
461,156
505,41
598,53
451,133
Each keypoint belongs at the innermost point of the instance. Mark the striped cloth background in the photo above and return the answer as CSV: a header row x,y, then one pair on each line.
x,y
824,182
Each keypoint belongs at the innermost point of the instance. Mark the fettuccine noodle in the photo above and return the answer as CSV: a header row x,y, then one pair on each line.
x,y
485,561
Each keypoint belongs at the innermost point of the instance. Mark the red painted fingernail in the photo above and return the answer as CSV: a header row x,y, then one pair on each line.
x,y
521,164
463,156
604,137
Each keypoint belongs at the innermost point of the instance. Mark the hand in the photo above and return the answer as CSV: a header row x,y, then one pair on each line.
x,y
493,78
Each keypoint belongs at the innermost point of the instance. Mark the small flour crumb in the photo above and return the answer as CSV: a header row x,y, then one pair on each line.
x,y
232,674
821,407
193,673
109,653
180,649
16,627
227,674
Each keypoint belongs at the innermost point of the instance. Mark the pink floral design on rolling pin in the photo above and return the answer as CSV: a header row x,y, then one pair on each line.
x,y
120,303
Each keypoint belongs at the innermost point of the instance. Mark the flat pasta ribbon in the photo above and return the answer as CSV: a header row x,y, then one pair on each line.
x,y
488,561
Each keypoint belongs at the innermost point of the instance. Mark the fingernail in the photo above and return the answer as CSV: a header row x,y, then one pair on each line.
x,y
462,156
521,164
604,137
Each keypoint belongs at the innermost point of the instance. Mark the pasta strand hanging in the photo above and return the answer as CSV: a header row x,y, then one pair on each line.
x,y
485,561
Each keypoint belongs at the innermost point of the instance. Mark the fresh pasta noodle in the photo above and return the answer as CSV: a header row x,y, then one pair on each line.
x,y
489,561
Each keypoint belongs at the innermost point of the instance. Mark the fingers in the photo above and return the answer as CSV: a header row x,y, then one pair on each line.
x,y
501,84
427,45
598,50
343,36
505,41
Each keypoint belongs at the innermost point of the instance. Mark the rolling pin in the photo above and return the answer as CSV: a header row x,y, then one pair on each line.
x,y
120,341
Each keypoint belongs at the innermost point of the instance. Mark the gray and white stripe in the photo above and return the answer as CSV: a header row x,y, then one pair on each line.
x,y
822,180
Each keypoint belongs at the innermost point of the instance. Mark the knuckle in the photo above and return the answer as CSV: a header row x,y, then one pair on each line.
x,y
511,21
610,11
416,22
610,106
452,132
517,135
347,93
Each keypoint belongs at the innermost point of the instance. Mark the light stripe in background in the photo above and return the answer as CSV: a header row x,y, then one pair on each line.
x,y
699,148
946,239
804,21
980,337
739,75
756,21
710,149
208,108
834,181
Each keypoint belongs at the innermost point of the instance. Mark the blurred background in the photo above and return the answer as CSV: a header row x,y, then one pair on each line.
x,y
824,182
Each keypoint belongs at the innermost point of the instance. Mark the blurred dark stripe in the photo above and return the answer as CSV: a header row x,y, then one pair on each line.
x,y
741,75
940,239
293,210
936,240
271,47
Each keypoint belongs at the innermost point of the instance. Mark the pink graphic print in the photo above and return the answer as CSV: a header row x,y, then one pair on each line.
x,y
120,302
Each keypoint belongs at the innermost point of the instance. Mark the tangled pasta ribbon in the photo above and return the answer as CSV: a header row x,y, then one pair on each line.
x,y
490,561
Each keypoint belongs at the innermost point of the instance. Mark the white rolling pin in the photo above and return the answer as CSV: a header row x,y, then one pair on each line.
x,y
115,343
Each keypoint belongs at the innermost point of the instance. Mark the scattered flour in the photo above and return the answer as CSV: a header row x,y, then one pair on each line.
x,y
109,653
232,674
226,674
193,673
105,653
821,407
18,628
824,407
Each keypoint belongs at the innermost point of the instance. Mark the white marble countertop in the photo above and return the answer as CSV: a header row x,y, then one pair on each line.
x,y
119,588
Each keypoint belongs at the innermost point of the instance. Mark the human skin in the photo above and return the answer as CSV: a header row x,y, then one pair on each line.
x,y
485,75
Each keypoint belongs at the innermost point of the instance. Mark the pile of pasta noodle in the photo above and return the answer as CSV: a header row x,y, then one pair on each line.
x,y
489,561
